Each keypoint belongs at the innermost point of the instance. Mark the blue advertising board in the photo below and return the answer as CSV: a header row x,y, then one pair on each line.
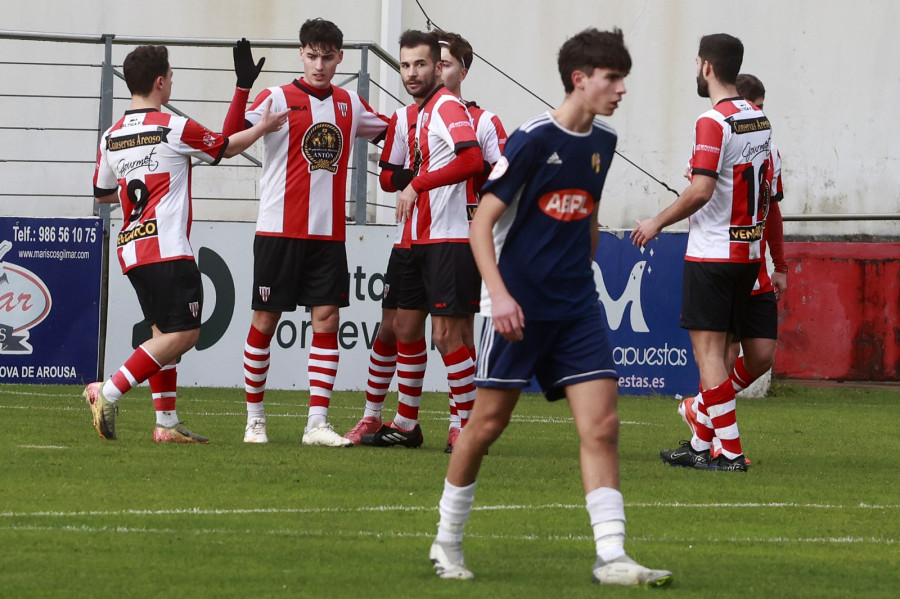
x,y
50,299
640,291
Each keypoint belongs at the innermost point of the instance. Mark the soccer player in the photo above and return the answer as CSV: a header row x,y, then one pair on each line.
x,y
541,201
299,253
730,176
439,277
760,324
144,162
456,58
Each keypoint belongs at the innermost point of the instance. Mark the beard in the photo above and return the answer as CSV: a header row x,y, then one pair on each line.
x,y
426,86
702,87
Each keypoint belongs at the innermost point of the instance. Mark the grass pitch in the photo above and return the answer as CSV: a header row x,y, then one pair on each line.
x,y
818,514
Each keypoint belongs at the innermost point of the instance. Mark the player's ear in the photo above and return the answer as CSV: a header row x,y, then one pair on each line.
x,y
462,74
578,78
340,56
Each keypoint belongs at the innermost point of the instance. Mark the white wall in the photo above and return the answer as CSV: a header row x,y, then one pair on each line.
x,y
828,67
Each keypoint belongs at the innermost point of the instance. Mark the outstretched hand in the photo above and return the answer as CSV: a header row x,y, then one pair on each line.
x,y
246,70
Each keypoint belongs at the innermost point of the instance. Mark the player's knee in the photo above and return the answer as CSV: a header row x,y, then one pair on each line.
x,y
604,430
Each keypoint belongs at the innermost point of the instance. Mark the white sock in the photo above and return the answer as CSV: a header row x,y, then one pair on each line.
x,y
606,508
316,420
111,392
455,507
255,410
166,418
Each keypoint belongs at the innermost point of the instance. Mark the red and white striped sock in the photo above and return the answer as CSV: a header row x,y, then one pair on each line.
x,y
704,433
256,370
382,365
461,378
740,376
163,387
136,369
322,368
721,406
411,361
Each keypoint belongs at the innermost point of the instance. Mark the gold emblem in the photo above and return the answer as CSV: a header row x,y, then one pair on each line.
x,y
322,147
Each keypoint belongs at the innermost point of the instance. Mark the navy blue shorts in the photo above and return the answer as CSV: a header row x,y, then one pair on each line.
x,y
558,353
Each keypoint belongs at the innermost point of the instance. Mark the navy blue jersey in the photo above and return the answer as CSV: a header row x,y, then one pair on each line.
x,y
551,179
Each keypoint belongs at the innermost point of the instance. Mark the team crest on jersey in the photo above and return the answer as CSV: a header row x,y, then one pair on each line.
x,y
322,147
264,293
194,307
596,162
209,139
343,107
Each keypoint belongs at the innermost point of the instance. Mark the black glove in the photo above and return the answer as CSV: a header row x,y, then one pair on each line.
x,y
246,71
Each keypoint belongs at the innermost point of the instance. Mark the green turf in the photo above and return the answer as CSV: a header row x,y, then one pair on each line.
x,y
818,515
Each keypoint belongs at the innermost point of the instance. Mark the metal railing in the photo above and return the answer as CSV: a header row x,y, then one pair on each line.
x,y
40,182
109,72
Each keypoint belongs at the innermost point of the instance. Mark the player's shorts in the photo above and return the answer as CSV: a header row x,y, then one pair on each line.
x,y
170,294
396,263
558,353
299,272
714,295
442,279
760,317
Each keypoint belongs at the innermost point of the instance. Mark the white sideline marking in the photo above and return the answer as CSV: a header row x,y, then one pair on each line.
x,y
431,508
395,534
434,414
43,447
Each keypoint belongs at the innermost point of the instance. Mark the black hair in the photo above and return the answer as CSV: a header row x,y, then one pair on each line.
x,y
725,53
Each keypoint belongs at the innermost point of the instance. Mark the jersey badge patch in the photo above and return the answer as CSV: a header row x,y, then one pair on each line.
x,y
322,146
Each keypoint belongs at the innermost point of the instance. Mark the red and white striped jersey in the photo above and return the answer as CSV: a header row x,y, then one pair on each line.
x,y
492,139
304,182
443,127
146,156
764,281
398,153
731,144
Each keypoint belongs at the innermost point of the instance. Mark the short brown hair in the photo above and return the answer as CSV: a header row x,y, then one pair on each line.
x,y
459,47
750,87
142,66
592,49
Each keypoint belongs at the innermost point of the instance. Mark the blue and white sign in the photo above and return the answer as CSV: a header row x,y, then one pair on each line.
x,y
49,299
640,291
